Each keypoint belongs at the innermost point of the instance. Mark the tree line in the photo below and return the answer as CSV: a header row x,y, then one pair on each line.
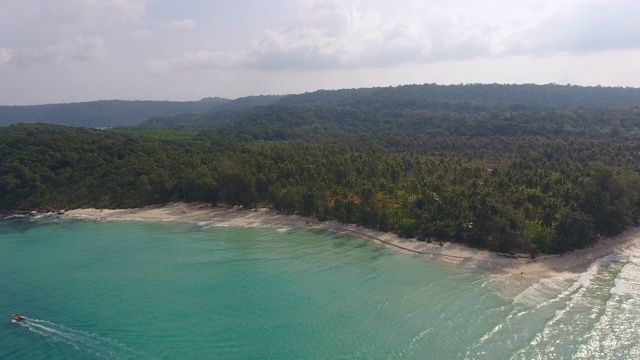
x,y
506,193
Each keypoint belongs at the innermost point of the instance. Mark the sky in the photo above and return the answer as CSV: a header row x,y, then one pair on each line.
x,y
58,51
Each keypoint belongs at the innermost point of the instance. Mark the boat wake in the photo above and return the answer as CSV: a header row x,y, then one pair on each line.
x,y
91,343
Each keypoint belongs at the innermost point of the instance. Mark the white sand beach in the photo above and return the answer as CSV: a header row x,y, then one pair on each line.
x,y
542,266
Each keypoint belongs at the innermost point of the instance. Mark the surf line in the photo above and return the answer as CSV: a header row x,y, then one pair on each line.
x,y
361,234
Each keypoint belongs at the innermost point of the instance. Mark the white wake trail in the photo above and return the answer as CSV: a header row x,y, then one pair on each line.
x,y
91,343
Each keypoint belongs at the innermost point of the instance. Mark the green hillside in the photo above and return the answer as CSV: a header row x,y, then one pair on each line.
x,y
511,168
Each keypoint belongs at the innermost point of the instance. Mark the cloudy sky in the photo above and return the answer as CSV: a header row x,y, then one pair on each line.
x,y
78,50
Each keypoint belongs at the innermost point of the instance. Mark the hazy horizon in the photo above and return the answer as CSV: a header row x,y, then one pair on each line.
x,y
64,51
310,91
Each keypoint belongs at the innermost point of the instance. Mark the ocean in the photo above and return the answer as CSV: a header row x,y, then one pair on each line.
x,y
136,290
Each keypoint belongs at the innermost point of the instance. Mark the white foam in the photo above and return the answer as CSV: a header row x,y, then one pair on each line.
x,y
557,287
585,277
546,290
628,280
631,272
16,216
624,288
208,223
615,333
81,340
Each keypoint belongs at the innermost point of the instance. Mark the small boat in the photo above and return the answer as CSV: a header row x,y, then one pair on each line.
x,y
17,317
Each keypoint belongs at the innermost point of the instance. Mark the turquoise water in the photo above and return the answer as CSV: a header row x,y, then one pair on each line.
x,y
133,290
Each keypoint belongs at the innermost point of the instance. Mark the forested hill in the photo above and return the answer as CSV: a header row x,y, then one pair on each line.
x,y
529,95
104,113
412,103
423,107
520,168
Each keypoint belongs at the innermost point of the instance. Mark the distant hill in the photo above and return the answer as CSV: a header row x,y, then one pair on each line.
x,y
226,112
104,113
434,109
528,95
381,104
247,102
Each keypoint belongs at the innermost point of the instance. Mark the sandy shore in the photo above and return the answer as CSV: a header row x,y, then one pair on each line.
x,y
576,261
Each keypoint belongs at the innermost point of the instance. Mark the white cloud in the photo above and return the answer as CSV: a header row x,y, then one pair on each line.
x,y
159,66
301,45
5,55
87,49
139,34
338,34
95,12
585,26
198,60
330,34
182,24
77,49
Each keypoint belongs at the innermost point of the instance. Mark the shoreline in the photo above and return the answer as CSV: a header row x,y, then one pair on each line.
x,y
543,266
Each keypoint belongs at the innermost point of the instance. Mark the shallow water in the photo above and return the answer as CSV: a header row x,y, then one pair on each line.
x,y
133,290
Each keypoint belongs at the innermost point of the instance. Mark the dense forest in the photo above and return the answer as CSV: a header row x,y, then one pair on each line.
x,y
510,168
